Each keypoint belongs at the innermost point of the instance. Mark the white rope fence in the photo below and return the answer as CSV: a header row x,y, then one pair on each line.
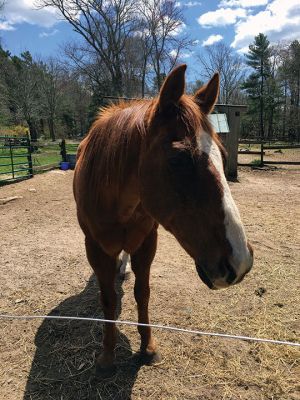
x,y
165,327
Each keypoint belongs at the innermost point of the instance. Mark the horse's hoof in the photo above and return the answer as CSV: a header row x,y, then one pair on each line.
x,y
153,358
105,372
104,366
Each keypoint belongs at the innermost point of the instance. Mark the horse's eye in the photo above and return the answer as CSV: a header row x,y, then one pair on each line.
x,y
183,174
182,160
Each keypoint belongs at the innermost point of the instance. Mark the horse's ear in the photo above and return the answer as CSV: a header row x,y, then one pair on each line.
x,y
208,94
172,88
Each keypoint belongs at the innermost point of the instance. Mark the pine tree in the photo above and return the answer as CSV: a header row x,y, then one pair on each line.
x,y
294,83
258,58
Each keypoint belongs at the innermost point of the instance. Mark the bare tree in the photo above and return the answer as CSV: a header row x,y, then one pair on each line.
x,y
162,23
24,91
51,87
104,26
287,55
74,105
134,69
87,64
222,58
145,45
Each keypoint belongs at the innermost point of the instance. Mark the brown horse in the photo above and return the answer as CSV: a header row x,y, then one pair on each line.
x,y
157,162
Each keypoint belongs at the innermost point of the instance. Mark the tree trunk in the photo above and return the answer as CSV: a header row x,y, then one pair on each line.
x,y
42,130
284,110
144,77
270,127
297,105
51,128
117,83
33,131
262,134
158,75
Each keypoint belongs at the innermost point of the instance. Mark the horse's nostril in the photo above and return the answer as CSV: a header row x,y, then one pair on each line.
x,y
202,274
231,277
241,277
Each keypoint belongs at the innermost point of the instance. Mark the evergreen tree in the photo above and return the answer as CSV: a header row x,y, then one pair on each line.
x,y
294,84
258,58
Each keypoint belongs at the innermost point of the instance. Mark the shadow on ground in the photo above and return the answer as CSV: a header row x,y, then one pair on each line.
x,y
63,365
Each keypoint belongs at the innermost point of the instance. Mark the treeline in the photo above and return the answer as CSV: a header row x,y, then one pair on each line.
x,y
126,48
44,96
272,90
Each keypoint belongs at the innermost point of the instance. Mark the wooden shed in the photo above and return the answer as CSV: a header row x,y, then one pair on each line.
x,y
227,120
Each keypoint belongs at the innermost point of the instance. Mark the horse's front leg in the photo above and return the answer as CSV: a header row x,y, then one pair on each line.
x,y
105,270
141,262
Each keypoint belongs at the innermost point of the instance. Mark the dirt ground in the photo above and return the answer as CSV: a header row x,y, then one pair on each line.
x,y
44,271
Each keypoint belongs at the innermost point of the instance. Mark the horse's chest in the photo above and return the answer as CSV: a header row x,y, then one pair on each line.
x,y
128,235
136,230
128,214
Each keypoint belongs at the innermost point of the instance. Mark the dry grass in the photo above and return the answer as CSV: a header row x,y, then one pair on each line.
x,y
44,270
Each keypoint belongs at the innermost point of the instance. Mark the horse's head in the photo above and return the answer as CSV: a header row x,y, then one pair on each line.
x,y
183,185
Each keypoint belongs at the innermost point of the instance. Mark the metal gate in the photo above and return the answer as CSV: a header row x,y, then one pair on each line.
x,y
15,158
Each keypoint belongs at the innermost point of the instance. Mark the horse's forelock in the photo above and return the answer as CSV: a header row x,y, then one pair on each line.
x,y
198,123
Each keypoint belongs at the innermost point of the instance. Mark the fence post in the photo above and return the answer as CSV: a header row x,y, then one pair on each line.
x,y
29,158
11,159
63,150
262,153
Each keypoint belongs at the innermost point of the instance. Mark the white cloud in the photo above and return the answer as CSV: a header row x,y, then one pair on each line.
x,y
19,11
221,17
188,4
243,50
47,34
185,55
242,3
5,26
179,29
279,21
174,53
192,4
211,40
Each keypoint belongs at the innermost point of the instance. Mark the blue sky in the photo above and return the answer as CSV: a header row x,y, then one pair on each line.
x,y
235,22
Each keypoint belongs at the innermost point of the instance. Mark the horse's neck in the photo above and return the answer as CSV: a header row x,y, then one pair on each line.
x,y
127,189
113,162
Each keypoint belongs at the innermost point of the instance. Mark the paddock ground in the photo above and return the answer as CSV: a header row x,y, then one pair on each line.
x,y
44,270
290,155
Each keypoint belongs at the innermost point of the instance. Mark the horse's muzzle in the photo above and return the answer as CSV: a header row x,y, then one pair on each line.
x,y
221,276
204,277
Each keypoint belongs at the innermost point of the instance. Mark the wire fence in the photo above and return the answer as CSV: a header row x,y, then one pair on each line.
x,y
155,326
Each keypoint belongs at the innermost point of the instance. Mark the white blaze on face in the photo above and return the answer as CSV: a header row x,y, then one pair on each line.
x,y
241,259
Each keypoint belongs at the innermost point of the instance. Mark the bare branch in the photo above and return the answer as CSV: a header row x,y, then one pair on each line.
x,y
220,57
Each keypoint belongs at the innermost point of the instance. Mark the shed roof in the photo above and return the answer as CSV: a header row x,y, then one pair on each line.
x,y
219,122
